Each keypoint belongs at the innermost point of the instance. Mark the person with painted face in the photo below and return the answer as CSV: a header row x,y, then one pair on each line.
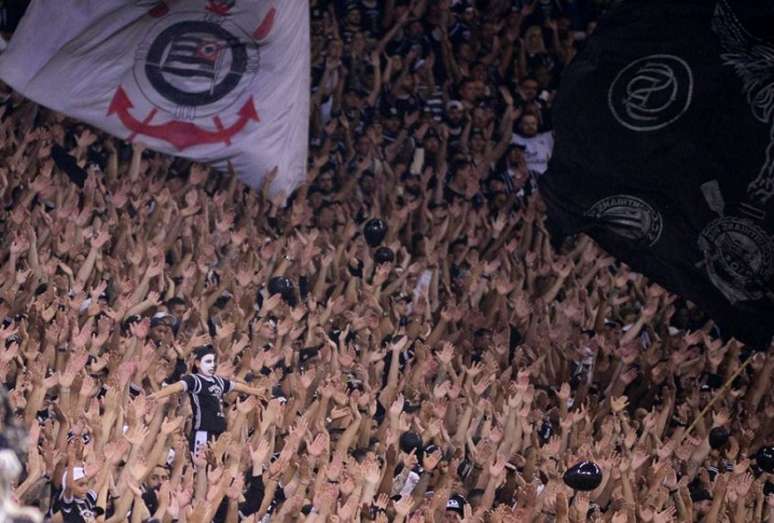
x,y
206,391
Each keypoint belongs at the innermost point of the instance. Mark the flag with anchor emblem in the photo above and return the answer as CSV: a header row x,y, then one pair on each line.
x,y
215,81
665,152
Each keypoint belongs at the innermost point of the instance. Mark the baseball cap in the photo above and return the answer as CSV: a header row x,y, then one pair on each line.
x,y
454,104
161,318
456,504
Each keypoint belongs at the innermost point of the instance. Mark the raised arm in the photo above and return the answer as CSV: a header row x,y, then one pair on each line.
x,y
246,389
169,390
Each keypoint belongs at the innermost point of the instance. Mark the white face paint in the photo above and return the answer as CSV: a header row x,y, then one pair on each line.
x,y
207,365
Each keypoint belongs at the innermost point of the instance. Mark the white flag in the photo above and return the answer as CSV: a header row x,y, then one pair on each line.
x,y
211,80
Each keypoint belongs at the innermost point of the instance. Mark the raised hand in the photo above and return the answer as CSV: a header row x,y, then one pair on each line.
x,y
260,453
619,404
169,426
403,506
318,445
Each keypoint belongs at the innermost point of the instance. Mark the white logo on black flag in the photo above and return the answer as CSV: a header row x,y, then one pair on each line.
x,y
651,92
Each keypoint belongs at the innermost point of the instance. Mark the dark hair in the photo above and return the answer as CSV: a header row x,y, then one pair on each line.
x,y
175,300
201,352
204,350
529,78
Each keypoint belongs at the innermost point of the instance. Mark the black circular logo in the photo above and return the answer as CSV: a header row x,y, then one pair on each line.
x,y
195,63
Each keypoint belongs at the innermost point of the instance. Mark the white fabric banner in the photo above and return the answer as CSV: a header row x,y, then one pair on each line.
x,y
210,80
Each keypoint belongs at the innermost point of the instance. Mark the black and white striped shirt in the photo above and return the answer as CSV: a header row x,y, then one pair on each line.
x,y
207,401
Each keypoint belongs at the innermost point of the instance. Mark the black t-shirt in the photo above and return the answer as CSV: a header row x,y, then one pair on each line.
x,y
207,401
151,500
79,510
371,15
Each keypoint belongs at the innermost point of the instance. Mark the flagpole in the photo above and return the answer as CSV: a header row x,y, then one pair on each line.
x,y
719,394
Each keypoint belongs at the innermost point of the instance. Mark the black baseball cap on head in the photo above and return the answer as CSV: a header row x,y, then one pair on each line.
x,y
456,503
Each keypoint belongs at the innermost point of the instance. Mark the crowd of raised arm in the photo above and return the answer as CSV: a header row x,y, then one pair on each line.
x,y
398,341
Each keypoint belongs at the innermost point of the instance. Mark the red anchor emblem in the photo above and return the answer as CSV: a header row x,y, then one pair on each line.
x,y
186,65
219,7
181,135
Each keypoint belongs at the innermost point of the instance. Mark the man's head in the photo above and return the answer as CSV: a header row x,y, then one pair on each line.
x,y
466,52
326,180
408,83
469,14
391,120
158,475
363,145
454,112
528,88
469,91
515,154
176,306
353,18
206,360
477,142
529,125
431,143
161,327
367,182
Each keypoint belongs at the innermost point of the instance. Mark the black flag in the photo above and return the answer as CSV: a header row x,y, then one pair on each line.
x,y
665,152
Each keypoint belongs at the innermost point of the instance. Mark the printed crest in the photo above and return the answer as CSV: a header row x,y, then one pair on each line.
x,y
194,66
629,217
752,59
651,92
738,258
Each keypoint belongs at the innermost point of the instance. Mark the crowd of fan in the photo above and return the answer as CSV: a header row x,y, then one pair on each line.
x,y
401,340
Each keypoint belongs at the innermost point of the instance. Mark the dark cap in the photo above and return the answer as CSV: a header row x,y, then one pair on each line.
x,y
456,504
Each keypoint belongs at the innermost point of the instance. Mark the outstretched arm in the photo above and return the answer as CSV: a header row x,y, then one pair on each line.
x,y
169,390
246,389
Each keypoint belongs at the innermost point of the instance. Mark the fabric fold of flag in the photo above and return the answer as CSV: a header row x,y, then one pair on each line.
x,y
665,152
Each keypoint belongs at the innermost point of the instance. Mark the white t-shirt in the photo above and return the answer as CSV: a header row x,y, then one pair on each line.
x,y
537,151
